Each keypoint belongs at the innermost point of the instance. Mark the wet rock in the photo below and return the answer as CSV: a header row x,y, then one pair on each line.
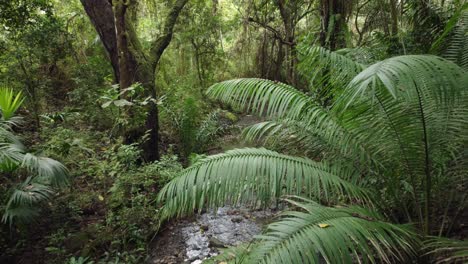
x,y
215,243
237,219
225,227
201,237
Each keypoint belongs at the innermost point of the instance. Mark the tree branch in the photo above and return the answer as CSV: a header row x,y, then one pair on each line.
x,y
161,43
275,32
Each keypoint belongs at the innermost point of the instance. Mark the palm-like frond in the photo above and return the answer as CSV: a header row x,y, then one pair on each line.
x,y
414,107
250,176
293,136
314,233
263,97
330,71
281,101
446,250
404,104
48,171
454,38
9,102
403,75
23,203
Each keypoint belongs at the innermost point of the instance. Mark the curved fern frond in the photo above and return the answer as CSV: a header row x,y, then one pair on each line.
x,y
446,250
336,235
453,42
328,69
417,101
281,101
402,76
263,97
292,135
255,177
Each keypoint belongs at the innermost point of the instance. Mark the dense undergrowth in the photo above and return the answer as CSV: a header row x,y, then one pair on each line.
x,y
363,109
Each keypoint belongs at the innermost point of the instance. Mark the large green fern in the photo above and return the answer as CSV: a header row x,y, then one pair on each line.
x,y
402,122
255,177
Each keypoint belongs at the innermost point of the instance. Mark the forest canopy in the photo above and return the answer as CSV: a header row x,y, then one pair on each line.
x,y
233,131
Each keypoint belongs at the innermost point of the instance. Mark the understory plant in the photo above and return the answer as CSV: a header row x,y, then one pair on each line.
x,y
382,166
32,178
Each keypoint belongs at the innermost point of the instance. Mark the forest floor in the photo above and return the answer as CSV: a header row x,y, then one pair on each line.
x,y
193,239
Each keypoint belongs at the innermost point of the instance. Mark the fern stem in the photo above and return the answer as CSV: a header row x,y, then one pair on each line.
x,y
426,166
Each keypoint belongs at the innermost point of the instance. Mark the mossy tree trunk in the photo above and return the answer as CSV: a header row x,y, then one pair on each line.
x,y
333,23
131,63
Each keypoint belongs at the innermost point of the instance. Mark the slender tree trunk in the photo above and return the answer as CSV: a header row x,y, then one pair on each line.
x,y
394,16
289,28
120,10
279,62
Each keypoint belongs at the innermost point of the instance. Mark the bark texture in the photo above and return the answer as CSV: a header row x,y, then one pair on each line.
x,y
102,17
130,62
333,14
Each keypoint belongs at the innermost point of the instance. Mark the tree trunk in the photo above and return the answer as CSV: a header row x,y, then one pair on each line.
x,y
139,65
331,35
120,10
102,17
289,29
394,15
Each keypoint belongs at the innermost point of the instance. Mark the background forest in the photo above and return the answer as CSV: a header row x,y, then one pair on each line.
x,y
119,116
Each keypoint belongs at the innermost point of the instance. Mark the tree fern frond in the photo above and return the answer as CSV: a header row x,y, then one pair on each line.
x,y
336,235
250,176
292,135
453,42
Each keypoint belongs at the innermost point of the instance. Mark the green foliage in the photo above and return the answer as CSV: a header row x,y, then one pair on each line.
x,y
188,126
43,173
313,233
445,250
380,127
80,260
455,34
9,102
260,175
360,128
215,124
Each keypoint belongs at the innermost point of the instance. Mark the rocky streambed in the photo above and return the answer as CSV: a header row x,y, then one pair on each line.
x,y
193,240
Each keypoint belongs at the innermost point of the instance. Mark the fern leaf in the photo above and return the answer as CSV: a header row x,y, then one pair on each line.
x,y
336,235
250,176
